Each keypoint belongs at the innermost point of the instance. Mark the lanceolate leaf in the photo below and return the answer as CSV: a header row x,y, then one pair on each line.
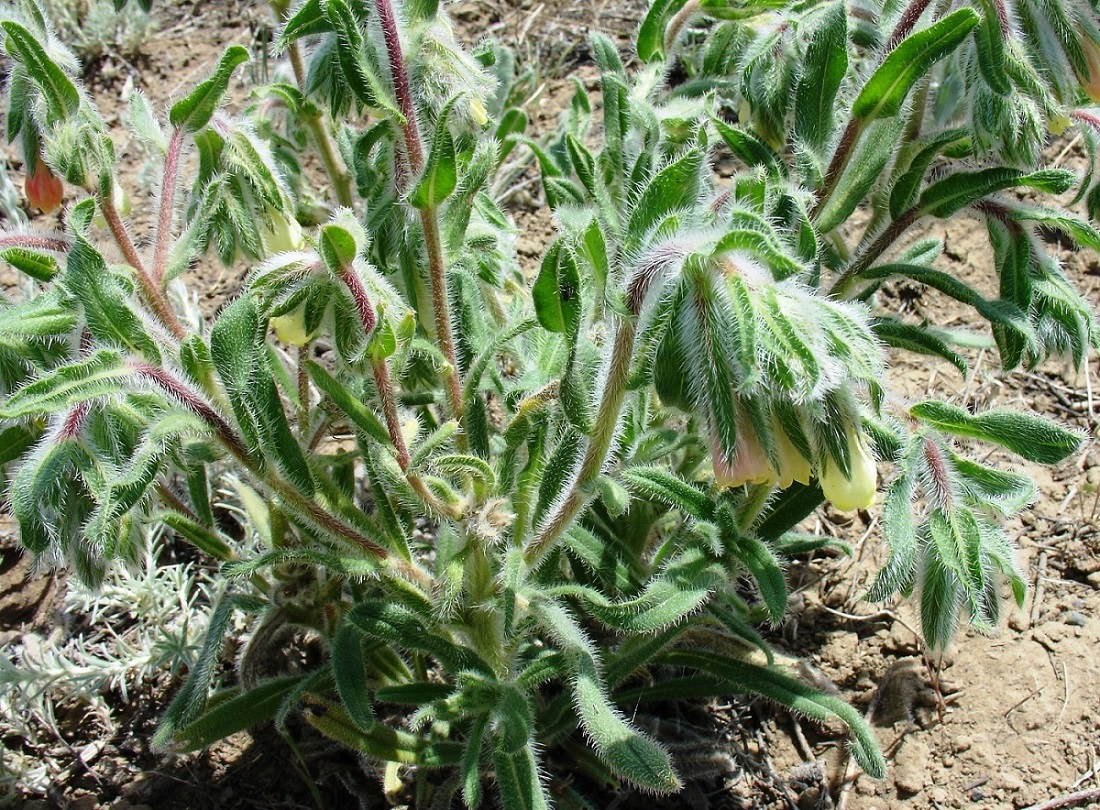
x,y
235,710
349,669
630,754
877,146
773,684
960,189
901,533
195,111
102,374
918,339
557,291
651,34
1025,434
823,70
885,92
353,408
441,172
61,95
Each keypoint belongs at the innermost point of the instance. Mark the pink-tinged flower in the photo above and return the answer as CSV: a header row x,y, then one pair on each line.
x,y
750,465
793,466
858,490
1090,80
44,190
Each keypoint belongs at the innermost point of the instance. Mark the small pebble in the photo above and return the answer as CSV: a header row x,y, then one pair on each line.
x,y
1076,618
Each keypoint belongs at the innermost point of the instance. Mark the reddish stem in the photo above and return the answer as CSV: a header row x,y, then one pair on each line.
x,y
196,404
74,422
35,242
149,288
378,365
401,84
167,205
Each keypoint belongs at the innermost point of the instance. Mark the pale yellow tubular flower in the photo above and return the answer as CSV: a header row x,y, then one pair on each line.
x,y
281,234
858,491
290,328
793,466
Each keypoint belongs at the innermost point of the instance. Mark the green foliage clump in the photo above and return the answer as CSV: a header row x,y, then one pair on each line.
x,y
511,505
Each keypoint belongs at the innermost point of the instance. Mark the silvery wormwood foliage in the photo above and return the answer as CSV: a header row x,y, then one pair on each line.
x,y
510,505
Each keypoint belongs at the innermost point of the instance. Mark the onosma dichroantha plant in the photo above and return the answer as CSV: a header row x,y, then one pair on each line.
x,y
510,504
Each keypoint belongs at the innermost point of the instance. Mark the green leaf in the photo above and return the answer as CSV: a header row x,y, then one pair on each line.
x,y
885,92
823,69
749,149
359,414
674,187
875,149
659,484
651,34
1003,313
337,247
789,508
441,171
960,189
1006,492
201,537
939,600
105,301
61,94
349,670
989,42
774,685
308,20
39,266
101,375
628,752
399,626
908,183
900,531
234,710
557,291
761,562
41,318
195,111
518,780
917,339
351,55
1025,434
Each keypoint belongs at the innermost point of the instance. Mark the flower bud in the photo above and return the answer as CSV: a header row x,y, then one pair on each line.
x,y
750,465
281,234
44,190
1090,80
478,112
122,205
857,491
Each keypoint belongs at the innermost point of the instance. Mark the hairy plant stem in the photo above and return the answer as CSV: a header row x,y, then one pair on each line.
x,y
414,153
838,164
678,21
389,409
279,485
330,157
303,391
35,242
150,289
603,436
167,206
382,380
864,259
